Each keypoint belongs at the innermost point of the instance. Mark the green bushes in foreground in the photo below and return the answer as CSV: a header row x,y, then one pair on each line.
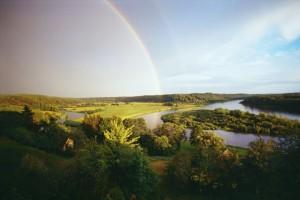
x,y
110,160
213,171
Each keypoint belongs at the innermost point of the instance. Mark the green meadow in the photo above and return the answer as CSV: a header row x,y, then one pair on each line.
x,y
127,110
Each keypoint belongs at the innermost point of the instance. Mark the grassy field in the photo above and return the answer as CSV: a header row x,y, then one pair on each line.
x,y
14,108
241,151
127,110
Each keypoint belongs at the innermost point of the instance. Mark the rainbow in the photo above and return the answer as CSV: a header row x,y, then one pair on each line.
x,y
138,39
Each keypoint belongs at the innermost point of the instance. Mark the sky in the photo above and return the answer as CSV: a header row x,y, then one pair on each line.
x,y
89,48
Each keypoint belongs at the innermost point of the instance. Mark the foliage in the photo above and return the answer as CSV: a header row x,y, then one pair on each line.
x,y
174,133
210,166
162,144
197,98
28,116
93,126
138,125
37,101
163,140
28,173
260,153
119,134
279,102
47,136
101,168
236,121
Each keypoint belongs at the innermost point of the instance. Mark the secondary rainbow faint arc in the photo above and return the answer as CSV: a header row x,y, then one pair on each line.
x,y
138,39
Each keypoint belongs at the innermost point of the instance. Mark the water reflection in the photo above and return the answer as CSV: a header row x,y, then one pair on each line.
x,y
236,139
241,139
73,115
154,120
230,138
236,105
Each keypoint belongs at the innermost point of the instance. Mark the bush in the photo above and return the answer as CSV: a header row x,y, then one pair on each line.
x,y
102,167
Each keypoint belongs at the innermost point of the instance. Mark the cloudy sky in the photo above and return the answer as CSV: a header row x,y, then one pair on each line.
x,y
132,47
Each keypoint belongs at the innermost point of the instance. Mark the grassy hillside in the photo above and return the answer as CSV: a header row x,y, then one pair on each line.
x,y
35,100
12,152
23,168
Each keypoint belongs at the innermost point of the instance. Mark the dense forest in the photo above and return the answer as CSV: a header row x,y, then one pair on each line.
x,y
280,102
110,159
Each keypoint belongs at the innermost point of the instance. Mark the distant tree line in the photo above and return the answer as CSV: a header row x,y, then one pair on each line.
x,y
196,98
284,102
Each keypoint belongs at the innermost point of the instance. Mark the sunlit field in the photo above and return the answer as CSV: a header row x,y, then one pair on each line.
x,y
127,110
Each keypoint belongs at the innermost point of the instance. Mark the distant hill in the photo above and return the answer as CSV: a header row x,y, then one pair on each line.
x,y
196,98
35,100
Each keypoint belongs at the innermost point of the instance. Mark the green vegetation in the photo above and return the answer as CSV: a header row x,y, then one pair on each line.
x,y
110,158
119,134
281,102
28,173
236,121
213,171
194,98
127,110
48,103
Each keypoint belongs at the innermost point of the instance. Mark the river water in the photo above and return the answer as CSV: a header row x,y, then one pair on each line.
x,y
230,138
236,105
73,115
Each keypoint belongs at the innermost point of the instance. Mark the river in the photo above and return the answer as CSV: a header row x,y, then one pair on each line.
x,y
236,105
230,138
73,115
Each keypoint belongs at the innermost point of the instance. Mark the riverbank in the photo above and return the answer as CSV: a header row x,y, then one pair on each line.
x,y
289,103
236,121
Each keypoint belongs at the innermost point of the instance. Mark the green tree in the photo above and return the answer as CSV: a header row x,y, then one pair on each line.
x,y
110,172
261,153
119,134
139,126
93,126
28,116
162,145
174,132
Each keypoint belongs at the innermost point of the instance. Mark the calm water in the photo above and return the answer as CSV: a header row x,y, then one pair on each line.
x,y
230,138
241,139
154,119
236,139
73,115
236,105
